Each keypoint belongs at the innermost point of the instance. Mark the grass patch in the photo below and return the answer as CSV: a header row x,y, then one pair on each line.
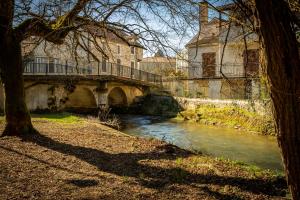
x,y
63,117
232,117
253,170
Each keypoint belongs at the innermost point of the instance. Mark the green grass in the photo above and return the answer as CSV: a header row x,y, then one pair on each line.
x,y
230,116
64,117
254,170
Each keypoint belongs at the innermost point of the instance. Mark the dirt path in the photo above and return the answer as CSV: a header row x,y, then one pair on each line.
x,y
87,160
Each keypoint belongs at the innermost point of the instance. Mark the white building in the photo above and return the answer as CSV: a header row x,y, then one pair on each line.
x,y
205,49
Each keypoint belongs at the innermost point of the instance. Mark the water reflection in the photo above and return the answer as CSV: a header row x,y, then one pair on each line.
x,y
221,142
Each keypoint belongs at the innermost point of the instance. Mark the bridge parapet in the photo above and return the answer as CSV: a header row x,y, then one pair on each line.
x,y
102,69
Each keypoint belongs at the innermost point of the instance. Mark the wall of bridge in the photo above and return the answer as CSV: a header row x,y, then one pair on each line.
x,y
86,95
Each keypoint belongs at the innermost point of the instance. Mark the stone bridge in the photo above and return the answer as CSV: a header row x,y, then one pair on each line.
x,y
117,86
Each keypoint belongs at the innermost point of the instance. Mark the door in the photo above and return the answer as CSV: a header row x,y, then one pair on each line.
x,y
251,62
209,64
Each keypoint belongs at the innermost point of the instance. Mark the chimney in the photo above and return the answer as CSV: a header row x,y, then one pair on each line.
x,y
203,13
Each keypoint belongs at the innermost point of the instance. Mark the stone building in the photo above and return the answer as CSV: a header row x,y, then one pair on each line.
x,y
106,47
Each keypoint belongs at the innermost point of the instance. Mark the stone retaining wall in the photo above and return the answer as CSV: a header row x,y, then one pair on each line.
x,y
258,106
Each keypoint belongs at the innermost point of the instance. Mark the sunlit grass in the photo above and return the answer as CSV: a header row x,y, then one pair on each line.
x,y
63,117
254,170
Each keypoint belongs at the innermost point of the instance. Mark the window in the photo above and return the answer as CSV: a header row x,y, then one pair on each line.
x,y
132,50
51,65
41,64
104,61
132,65
119,49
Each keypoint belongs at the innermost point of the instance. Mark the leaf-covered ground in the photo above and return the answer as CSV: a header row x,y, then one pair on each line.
x,y
82,159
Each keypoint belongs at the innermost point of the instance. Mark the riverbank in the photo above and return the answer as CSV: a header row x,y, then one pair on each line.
x,y
78,158
230,116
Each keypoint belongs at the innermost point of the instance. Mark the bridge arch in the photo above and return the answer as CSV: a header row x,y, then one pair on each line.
x,y
117,98
81,97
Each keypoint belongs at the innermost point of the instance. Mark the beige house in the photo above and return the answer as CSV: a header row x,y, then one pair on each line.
x,y
108,49
205,49
208,65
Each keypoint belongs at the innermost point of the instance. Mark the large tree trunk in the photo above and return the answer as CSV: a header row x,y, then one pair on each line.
x,y
18,120
283,72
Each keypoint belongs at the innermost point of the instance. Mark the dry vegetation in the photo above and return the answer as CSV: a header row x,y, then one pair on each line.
x,y
79,158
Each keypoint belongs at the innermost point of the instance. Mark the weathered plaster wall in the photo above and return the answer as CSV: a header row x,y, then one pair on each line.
x,y
214,88
195,58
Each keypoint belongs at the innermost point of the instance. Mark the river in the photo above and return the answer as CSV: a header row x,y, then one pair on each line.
x,y
232,144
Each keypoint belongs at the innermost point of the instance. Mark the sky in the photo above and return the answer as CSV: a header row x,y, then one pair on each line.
x,y
163,22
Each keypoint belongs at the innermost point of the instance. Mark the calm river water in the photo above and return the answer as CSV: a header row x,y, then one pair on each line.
x,y
227,143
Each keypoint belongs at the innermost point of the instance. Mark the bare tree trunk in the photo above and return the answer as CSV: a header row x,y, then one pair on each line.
x,y
283,71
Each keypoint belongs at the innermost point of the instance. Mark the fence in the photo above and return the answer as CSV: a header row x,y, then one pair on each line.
x,y
230,70
102,68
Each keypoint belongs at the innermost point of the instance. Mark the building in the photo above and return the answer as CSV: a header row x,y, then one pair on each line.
x,y
205,49
98,50
182,63
159,64
214,73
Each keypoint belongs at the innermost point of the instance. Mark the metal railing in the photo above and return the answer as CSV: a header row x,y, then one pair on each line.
x,y
230,70
113,69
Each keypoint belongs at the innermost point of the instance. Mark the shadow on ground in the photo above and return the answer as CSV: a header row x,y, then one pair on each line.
x,y
127,164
